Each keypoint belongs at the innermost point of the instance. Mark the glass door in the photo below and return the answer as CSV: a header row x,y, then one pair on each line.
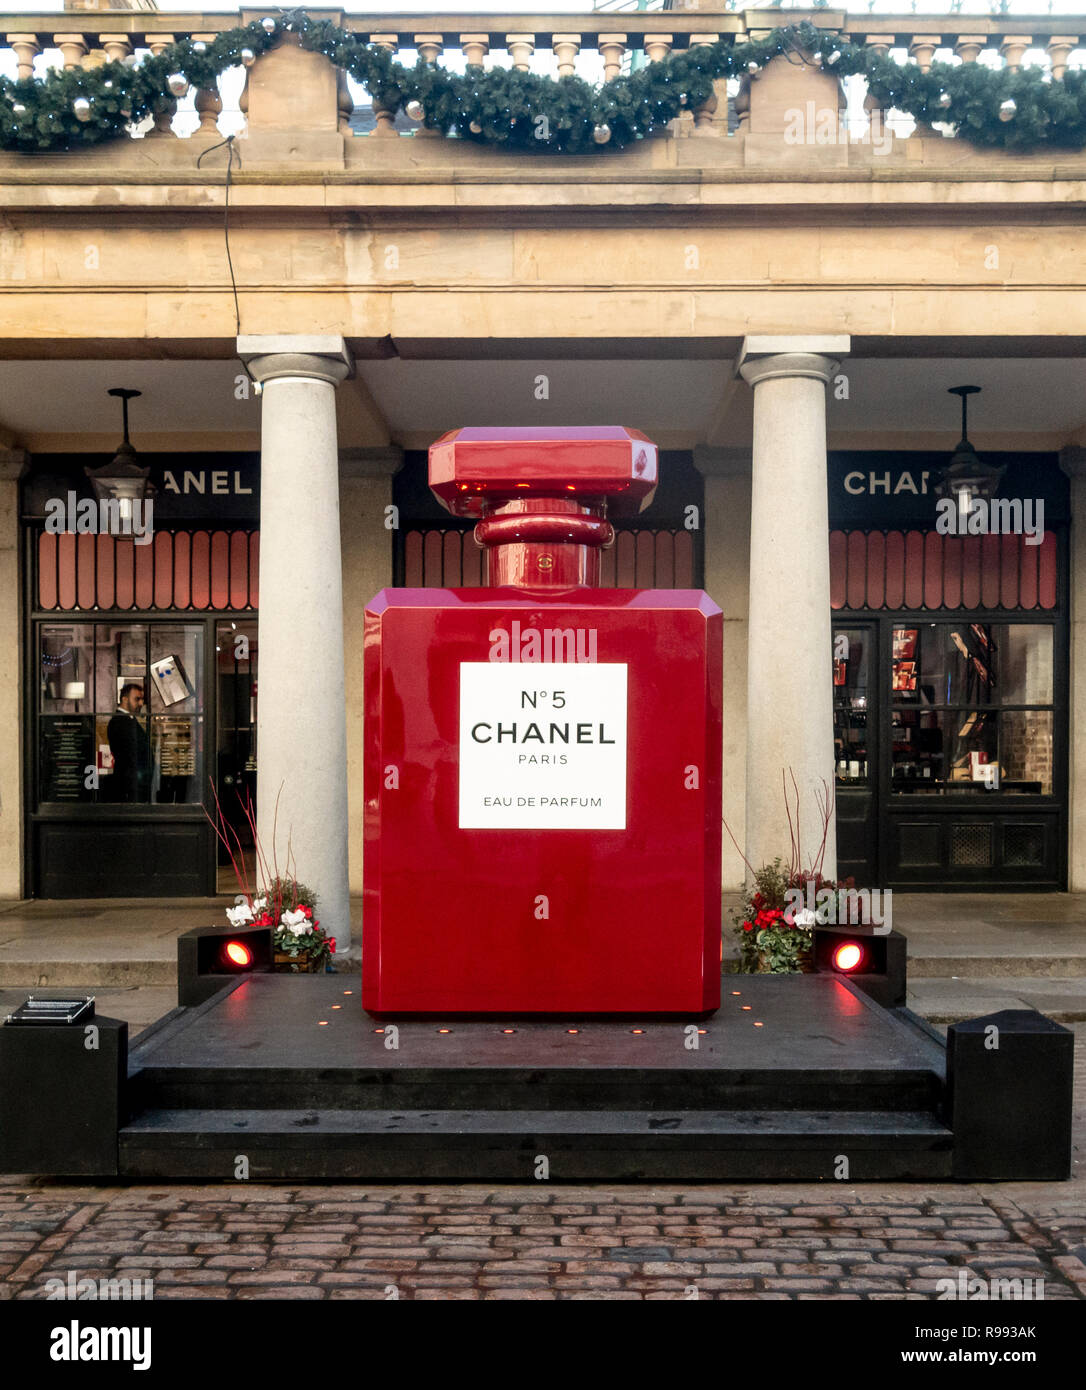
x,y
235,777
856,750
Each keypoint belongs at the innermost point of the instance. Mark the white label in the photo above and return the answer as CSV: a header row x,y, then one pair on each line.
x,y
542,746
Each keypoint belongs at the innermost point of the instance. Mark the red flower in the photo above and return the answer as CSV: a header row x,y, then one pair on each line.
x,y
332,945
748,926
308,911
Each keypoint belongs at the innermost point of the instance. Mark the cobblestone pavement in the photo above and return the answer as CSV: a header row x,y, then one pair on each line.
x,y
534,1241
884,1242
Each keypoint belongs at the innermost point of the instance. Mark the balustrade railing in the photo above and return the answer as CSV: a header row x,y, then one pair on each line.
x,y
598,45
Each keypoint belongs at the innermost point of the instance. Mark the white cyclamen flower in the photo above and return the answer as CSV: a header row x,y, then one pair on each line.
x,y
259,904
296,922
805,917
239,915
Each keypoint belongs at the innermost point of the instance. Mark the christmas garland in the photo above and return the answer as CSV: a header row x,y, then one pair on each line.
x,y
521,110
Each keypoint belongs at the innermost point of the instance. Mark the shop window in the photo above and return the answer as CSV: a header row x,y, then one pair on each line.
x,y
851,662
954,689
121,713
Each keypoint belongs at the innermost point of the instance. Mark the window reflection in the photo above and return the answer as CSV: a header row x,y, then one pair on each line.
x,y
950,688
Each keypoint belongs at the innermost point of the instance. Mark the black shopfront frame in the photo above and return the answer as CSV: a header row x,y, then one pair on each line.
x,y
903,840
109,850
899,840
144,850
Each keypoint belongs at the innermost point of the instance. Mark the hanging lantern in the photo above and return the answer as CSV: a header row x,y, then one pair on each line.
x,y
82,108
414,110
178,83
1007,109
123,479
602,133
833,58
248,57
966,477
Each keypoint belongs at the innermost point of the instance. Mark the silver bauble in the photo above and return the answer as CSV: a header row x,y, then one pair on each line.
x,y
82,108
19,109
248,57
944,100
268,25
1007,109
414,110
178,83
602,133
107,86
752,68
199,46
475,128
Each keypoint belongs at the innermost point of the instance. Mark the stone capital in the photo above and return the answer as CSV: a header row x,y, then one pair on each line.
x,y
722,463
763,356
788,364
370,463
322,356
1072,461
14,464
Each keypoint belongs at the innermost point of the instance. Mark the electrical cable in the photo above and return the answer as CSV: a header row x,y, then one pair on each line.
x,y
231,152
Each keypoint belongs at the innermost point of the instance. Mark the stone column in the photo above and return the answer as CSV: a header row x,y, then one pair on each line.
x,y
727,572
789,673
13,464
301,713
368,529
1073,463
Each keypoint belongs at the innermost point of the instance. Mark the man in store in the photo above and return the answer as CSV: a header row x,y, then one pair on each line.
x,y
129,746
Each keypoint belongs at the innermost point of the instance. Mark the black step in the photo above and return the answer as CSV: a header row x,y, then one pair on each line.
x,y
467,1145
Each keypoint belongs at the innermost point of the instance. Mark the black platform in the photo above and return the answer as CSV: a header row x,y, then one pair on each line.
x,y
793,1076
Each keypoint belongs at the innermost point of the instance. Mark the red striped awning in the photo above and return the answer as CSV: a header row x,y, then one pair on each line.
x,y
926,570
194,571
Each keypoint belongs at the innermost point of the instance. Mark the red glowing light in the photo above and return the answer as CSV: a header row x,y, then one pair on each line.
x,y
238,954
848,957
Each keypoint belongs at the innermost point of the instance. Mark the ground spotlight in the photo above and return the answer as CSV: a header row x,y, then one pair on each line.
x,y
848,956
208,958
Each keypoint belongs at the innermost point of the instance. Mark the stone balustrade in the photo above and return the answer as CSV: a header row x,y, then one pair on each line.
x,y
598,44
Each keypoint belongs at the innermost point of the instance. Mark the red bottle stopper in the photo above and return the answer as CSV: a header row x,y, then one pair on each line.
x,y
543,496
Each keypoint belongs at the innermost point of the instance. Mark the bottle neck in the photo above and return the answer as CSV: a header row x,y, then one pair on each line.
x,y
544,542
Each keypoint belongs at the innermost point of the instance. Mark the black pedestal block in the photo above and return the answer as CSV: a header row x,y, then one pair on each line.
x,y
62,1097
1009,1079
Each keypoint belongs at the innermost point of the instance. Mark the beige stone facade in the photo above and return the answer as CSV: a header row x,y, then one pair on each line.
x,y
457,276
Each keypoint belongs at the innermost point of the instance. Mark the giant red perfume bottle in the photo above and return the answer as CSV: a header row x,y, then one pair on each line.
x,y
543,785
